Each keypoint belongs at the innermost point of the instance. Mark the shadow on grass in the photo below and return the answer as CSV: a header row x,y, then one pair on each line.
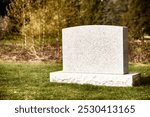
x,y
145,80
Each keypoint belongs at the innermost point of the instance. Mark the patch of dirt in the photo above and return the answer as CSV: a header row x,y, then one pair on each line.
x,y
17,53
9,52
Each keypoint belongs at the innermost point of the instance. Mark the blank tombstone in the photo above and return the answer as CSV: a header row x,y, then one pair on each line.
x,y
95,54
95,49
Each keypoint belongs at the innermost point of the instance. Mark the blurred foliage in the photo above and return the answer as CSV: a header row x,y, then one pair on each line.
x,y
3,5
137,18
35,19
39,22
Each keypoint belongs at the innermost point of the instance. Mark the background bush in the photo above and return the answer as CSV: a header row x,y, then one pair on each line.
x,y
35,25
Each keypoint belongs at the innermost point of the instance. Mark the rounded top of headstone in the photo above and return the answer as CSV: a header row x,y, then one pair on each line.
x,y
95,26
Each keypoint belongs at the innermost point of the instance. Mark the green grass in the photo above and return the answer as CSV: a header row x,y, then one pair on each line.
x,y
31,81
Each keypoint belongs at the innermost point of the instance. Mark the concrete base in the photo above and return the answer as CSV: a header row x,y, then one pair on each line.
x,y
131,79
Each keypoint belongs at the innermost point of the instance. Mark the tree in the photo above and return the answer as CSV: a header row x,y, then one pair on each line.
x,y
3,5
137,18
109,13
91,11
121,7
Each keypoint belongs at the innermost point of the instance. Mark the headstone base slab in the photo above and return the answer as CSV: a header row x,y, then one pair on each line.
x,y
126,80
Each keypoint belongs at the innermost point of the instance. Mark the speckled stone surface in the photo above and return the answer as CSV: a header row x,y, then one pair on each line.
x,y
95,54
95,49
126,80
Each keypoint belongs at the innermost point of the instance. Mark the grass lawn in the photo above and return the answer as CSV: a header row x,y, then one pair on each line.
x,y
31,82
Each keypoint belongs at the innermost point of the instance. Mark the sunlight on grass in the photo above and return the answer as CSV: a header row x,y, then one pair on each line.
x,y
31,81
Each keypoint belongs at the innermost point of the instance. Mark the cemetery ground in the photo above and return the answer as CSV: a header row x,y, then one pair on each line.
x,y
30,81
